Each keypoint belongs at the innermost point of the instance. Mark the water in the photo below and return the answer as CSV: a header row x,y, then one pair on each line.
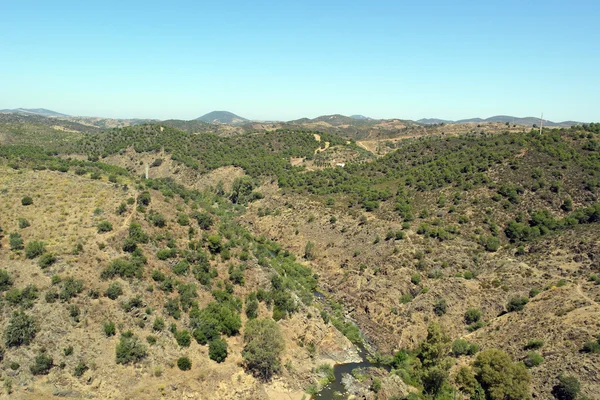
x,y
335,390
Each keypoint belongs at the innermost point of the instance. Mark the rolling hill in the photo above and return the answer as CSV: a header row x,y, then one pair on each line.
x,y
222,117
34,111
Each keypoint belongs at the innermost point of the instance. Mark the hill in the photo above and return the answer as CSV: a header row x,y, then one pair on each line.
x,y
222,117
35,111
480,245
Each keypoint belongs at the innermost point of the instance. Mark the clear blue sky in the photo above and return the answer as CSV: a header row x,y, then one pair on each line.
x,y
290,59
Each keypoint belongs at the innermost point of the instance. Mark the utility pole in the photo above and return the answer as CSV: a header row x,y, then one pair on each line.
x,y
146,170
541,123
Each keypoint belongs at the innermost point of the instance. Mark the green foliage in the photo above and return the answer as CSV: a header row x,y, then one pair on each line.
x,y
534,344
144,198
567,388
15,241
46,260
34,249
125,267
114,291
533,359
104,226
252,308
440,307
5,280
217,350
472,316
27,201
309,251
130,349
591,347
462,347
184,364
159,324
263,346
501,378
70,288
492,244
22,297
415,279
109,328
516,303
205,220
42,364
21,330
80,369
183,338
23,223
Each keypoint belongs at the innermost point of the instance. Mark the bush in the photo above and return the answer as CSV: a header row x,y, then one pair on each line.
x,y
130,349
591,347
23,223
533,359
462,347
264,344
217,350
71,288
124,267
5,280
184,364
440,307
43,364
15,241
534,344
568,388
183,338
144,198
159,324
21,330
415,279
214,244
309,251
27,201
109,329
114,291
492,244
80,369
34,249
205,220
104,226
46,260
472,315
252,308
517,304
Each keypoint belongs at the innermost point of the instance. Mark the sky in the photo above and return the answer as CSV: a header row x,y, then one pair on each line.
x,y
282,60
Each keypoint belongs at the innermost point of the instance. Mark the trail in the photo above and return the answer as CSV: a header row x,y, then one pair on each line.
x,y
126,222
318,139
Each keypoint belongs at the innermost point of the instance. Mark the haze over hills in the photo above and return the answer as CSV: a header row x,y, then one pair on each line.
x,y
34,111
526,121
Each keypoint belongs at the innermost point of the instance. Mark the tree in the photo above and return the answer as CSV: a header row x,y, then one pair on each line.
x,y
264,344
34,249
501,378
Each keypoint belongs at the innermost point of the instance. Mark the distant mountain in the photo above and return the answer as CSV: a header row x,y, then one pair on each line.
x,y
34,111
433,121
526,121
358,116
222,117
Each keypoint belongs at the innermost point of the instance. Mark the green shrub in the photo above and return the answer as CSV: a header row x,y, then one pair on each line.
x,y
124,267
144,198
21,330
415,279
534,344
517,303
492,244
5,280
533,359
159,324
591,347
500,377
109,329
114,291
165,254
214,244
46,260
27,201
462,347
15,241
252,308
217,350
23,223
104,226
183,337
184,364
567,388
43,364
34,249
406,298
68,351
130,349
71,288
440,307
80,369
181,268
472,315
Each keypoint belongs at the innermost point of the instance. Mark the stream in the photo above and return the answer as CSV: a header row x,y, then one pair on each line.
x,y
336,389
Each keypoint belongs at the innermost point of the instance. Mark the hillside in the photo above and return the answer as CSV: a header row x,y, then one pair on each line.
x,y
440,252
34,111
526,121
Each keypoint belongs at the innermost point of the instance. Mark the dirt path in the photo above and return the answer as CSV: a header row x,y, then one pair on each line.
x,y
318,139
